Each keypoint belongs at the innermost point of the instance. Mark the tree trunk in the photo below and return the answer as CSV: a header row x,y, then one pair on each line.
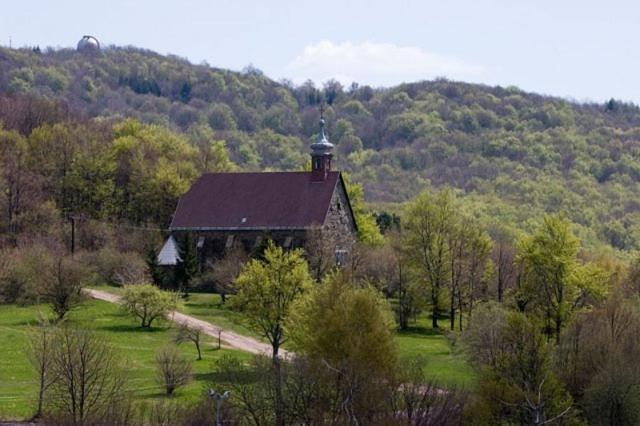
x,y
434,302
452,314
279,408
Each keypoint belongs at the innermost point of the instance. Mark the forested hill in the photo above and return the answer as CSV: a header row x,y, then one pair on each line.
x,y
513,155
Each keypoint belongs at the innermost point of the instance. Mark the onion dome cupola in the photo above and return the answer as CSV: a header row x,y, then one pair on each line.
x,y
321,155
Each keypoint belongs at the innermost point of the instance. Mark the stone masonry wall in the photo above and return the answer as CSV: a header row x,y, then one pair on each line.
x,y
339,223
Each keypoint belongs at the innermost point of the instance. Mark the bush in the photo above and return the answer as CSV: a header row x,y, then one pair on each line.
x,y
118,268
19,278
20,274
173,370
148,303
63,278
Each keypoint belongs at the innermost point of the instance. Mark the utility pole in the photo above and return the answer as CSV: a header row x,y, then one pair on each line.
x,y
219,398
73,234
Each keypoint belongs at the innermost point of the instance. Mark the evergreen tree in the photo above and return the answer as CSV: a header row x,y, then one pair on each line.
x,y
187,267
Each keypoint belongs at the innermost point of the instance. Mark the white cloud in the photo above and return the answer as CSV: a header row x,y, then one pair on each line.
x,y
377,64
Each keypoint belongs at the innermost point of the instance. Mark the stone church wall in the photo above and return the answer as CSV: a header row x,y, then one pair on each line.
x,y
339,223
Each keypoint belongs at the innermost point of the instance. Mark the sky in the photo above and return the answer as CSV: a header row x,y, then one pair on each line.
x,y
582,50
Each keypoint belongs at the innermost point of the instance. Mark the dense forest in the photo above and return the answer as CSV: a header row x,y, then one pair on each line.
x,y
511,155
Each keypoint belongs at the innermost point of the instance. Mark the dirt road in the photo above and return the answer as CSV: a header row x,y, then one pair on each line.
x,y
231,339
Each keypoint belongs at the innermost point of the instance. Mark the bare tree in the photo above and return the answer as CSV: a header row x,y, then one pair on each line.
x,y
63,282
225,271
172,369
504,260
187,333
40,355
320,254
89,386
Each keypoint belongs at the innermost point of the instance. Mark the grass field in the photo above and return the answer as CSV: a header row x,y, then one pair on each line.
x,y
443,364
18,386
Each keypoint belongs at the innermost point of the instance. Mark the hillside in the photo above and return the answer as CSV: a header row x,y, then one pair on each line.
x,y
514,155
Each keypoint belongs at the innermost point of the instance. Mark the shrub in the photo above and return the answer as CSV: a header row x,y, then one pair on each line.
x,y
148,303
63,278
118,268
173,370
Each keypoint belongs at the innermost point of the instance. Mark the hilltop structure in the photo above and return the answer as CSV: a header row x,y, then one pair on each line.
x,y
226,209
88,44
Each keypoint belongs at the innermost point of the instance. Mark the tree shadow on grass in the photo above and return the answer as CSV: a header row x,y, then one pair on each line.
x,y
122,328
417,331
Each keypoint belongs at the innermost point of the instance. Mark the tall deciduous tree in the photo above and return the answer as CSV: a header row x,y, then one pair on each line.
x,y
348,332
266,292
555,282
428,223
517,384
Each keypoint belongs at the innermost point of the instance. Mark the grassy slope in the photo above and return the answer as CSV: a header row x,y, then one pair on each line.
x,y
18,387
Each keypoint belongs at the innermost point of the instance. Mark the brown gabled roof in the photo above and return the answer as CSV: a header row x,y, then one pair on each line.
x,y
281,200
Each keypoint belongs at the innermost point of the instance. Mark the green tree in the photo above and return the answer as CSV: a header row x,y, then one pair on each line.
x,y
368,231
147,303
155,270
517,384
267,290
555,284
188,266
428,222
348,332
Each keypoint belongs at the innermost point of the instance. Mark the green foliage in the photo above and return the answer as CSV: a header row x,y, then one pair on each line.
x,y
350,328
266,290
147,303
368,231
136,346
596,361
428,223
187,267
517,385
555,284
501,147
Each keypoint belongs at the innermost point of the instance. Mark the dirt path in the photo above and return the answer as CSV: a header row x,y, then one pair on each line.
x,y
231,339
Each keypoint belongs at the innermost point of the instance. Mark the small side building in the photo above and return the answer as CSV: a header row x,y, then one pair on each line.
x,y
221,210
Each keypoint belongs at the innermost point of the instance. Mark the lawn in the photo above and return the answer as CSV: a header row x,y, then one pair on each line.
x,y
18,386
444,365
207,307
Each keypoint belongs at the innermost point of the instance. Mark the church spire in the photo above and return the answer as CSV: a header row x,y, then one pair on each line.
x,y
321,153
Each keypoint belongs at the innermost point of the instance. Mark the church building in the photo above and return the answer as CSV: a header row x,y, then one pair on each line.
x,y
221,210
